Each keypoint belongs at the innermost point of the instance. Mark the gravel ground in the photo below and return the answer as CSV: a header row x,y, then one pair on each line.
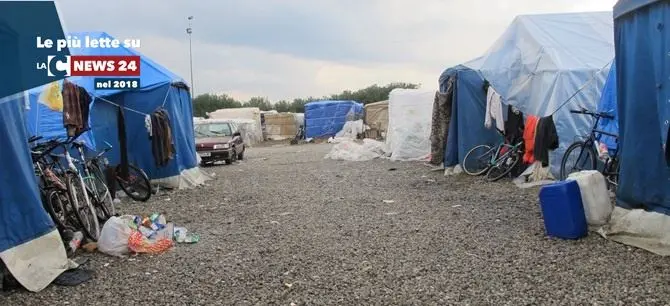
x,y
286,226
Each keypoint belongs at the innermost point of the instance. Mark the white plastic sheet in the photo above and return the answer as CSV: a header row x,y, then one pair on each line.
x,y
410,119
351,150
351,129
550,63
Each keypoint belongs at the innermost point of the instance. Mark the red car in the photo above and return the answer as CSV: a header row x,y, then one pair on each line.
x,y
218,141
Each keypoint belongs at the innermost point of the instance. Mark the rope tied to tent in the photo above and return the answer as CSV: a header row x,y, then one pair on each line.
x,y
119,106
583,86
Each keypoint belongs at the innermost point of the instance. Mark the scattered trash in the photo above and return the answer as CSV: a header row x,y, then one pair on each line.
x,y
456,206
431,181
73,277
106,265
389,201
167,199
391,213
286,213
181,235
288,285
274,222
393,169
90,247
75,242
141,234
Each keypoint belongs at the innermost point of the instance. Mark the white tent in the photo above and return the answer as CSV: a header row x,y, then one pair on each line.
x,y
410,114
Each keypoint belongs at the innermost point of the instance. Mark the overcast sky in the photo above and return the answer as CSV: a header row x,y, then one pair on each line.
x,y
283,49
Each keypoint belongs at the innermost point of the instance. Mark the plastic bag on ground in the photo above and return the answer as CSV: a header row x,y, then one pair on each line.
x,y
114,236
140,244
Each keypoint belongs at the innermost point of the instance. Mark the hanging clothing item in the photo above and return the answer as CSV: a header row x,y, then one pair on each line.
x,y
529,139
514,125
546,139
72,119
494,110
440,125
147,124
84,104
161,137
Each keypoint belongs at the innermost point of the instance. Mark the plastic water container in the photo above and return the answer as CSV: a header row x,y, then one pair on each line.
x,y
563,210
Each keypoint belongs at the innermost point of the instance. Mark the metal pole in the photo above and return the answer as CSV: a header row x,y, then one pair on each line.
x,y
189,30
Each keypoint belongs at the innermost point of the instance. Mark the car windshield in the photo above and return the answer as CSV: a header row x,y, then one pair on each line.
x,y
212,130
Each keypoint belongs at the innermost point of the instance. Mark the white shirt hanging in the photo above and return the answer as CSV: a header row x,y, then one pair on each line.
x,y
147,123
494,110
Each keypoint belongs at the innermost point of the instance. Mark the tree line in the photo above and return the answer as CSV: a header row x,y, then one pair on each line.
x,y
207,103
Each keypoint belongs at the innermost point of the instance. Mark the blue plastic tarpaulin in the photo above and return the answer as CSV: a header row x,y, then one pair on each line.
x,y
643,78
326,118
608,105
159,88
22,217
548,64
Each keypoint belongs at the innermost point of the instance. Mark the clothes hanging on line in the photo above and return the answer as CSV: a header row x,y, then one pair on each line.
x,y
514,126
494,110
529,139
546,139
76,103
147,124
161,137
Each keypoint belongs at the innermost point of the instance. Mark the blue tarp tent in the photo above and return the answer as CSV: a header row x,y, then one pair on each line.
x,y
547,64
326,118
643,82
466,129
608,105
159,88
30,245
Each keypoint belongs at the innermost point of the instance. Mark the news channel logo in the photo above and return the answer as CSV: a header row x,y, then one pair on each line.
x,y
58,66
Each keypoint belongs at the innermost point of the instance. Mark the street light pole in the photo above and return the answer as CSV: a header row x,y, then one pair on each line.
x,y
189,30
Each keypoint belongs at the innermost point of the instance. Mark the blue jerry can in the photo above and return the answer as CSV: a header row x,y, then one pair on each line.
x,y
563,211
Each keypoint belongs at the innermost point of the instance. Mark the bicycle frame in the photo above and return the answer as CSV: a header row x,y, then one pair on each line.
x,y
511,148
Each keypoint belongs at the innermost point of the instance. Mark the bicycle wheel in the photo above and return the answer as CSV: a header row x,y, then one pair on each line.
x,y
478,160
105,203
503,166
579,156
137,187
56,208
83,209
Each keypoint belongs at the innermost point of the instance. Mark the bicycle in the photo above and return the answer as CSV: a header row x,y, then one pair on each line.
x,y
79,193
495,162
94,179
53,190
587,150
134,182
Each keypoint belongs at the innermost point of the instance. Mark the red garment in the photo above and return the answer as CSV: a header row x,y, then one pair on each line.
x,y
529,139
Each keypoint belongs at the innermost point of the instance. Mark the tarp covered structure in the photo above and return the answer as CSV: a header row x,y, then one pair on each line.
x,y
245,113
550,63
643,82
159,88
30,245
377,118
280,126
466,128
410,112
326,118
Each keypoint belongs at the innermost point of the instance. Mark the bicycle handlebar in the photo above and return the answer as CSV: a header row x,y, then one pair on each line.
x,y
590,113
34,138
